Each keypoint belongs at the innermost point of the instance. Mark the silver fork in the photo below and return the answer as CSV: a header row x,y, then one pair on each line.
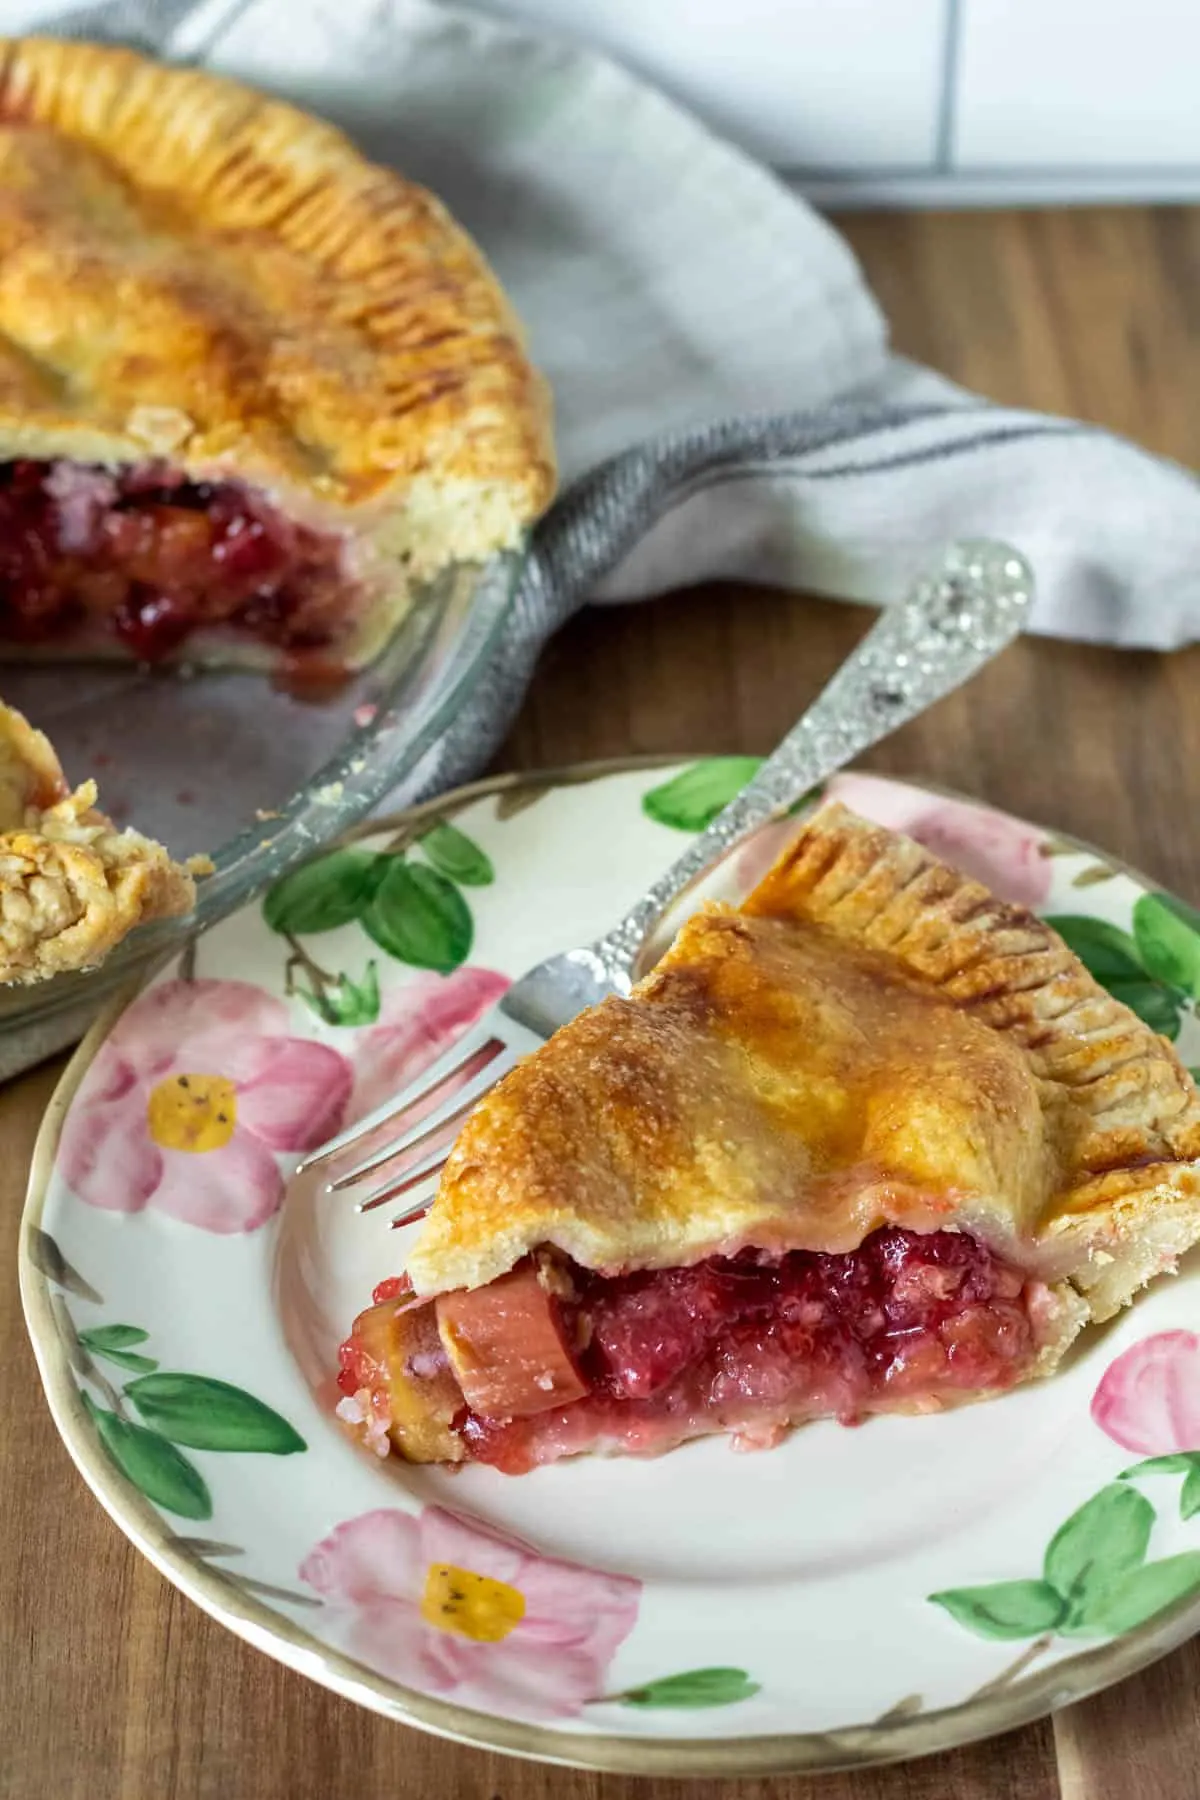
x,y
952,621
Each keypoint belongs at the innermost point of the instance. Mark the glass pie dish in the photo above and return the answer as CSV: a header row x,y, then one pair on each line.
x,y
223,763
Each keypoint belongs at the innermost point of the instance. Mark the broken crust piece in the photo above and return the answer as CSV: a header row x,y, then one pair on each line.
x,y
876,1141
71,885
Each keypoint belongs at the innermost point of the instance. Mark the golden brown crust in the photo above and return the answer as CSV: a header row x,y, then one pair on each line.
x,y
30,773
872,1038
1121,1093
71,885
762,1086
1120,1111
191,270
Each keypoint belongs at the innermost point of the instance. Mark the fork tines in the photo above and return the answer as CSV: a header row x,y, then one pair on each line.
x,y
467,1070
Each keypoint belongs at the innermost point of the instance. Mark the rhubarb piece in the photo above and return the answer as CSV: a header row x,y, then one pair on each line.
x,y
395,1373
508,1347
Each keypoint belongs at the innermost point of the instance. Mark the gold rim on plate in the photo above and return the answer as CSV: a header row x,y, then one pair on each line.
x,y
1014,1700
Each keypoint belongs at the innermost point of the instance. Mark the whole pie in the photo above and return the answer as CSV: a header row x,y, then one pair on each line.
x,y
875,1141
253,389
71,884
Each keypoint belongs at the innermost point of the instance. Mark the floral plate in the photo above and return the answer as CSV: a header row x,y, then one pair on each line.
x,y
852,1597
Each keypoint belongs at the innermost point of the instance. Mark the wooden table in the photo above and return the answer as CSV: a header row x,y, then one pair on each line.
x,y
113,1686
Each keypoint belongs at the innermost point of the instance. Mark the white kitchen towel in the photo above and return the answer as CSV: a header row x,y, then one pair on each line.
x,y
726,400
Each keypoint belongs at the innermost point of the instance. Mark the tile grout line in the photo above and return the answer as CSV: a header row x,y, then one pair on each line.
x,y
991,171
948,95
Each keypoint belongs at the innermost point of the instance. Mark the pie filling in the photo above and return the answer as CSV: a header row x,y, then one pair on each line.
x,y
552,1360
148,557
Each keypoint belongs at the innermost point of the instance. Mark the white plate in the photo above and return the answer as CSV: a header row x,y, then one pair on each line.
x,y
704,1612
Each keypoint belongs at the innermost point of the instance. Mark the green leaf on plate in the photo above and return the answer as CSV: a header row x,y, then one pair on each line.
x,y
1175,1464
113,1337
1115,959
694,1688
907,1708
1159,1006
202,1547
74,1350
1189,1498
324,894
211,1415
419,917
457,856
1092,876
346,1002
1167,933
1106,1538
250,1585
520,798
807,799
155,1467
1005,1609
129,1359
1138,1594
693,798
1107,951
46,1257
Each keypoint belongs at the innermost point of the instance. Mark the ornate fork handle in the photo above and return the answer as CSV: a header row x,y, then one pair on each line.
x,y
951,622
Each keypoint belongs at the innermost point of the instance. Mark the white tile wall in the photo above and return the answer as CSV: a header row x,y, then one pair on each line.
x,y
809,83
16,14
1078,83
915,101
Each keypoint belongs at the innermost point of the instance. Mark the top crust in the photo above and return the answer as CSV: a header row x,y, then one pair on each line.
x,y
872,1038
193,271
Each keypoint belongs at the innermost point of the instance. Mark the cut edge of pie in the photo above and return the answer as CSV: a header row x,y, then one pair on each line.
x,y
874,1141
259,386
72,885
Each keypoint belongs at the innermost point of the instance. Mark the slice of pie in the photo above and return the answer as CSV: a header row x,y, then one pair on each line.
x,y
874,1142
253,389
71,884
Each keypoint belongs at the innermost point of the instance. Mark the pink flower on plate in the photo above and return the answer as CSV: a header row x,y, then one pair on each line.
x,y
449,1608
417,1022
1004,854
190,1101
1149,1398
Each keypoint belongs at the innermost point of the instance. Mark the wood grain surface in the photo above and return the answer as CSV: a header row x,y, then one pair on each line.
x,y
112,1686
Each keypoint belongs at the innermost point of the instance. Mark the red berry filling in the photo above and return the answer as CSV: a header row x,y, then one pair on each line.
x,y
394,1287
357,1368
151,557
753,1344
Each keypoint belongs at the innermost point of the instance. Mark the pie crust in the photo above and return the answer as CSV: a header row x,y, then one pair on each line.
x,y
71,884
211,283
872,1039
875,1141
